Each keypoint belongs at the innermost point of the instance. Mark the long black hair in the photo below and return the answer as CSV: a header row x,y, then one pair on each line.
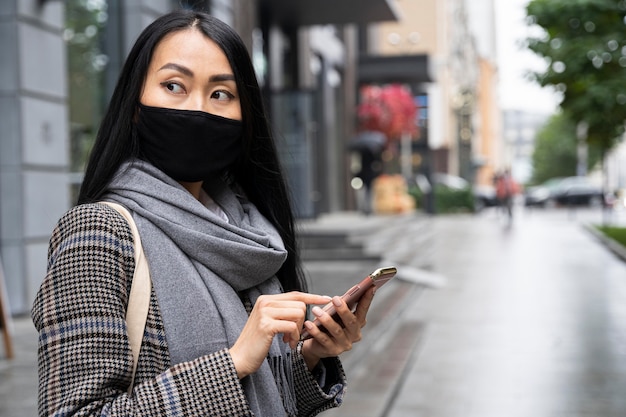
x,y
258,171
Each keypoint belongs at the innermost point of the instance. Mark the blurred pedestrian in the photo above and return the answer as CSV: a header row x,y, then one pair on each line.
x,y
186,147
369,143
506,188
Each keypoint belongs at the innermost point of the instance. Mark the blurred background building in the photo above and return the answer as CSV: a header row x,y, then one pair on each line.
x,y
457,92
61,60
519,131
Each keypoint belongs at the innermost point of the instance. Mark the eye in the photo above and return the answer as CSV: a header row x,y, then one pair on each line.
x,y
222,95
173,87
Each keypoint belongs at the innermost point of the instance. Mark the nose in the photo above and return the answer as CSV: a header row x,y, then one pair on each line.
x,y
198,102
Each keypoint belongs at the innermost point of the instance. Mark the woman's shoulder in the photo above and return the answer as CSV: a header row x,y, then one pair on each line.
x,y
94,223
93,215
90,263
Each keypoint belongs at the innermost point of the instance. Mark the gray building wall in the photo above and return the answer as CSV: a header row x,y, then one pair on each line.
x,y
33,141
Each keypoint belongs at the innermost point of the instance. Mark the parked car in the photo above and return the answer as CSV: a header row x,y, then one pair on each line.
x,y
484,196
578,191
539,195
569,191
450,181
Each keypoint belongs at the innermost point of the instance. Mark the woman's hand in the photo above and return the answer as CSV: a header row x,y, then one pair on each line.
x,y
272,314
336,339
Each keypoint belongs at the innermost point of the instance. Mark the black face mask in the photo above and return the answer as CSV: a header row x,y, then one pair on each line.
x,y
188,145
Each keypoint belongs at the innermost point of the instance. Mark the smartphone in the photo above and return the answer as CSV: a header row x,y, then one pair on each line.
x,y
377,278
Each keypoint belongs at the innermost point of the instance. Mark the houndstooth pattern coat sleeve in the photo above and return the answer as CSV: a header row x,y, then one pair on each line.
x,y
85,361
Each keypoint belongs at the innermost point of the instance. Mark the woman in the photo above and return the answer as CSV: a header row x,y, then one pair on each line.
x,y
185,146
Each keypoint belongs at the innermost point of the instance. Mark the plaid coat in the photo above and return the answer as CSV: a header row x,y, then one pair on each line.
x,y
85,360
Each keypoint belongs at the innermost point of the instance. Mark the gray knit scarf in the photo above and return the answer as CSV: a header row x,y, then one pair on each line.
x,y
201,266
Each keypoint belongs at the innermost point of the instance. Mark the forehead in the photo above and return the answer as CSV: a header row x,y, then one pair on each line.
x,y
190,47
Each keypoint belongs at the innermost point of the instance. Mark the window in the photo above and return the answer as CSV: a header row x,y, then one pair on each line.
x,y
86,22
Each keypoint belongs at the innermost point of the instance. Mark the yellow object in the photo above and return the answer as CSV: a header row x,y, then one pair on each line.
x,y
391,195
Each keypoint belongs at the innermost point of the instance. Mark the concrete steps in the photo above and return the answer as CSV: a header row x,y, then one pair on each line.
x,y
404,239
377,365
342,248
332,245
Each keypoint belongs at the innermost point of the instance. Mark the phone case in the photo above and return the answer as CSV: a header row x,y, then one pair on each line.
x,y
377,278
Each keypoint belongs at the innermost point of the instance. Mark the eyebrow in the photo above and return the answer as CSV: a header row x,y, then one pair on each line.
x,y
176,67
222,77
189,73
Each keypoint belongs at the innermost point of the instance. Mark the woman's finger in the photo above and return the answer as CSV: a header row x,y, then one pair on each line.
x,y
304,297
364,305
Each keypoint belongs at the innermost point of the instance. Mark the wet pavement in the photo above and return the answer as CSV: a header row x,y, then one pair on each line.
x,y
526,319
18,377
531,321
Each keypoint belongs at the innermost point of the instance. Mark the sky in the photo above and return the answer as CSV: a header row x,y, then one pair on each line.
x,y
514,61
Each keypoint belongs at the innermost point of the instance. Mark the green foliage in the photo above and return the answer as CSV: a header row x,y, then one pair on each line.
x,y
616,233
418,196
447,200
555,153
584,45
450,201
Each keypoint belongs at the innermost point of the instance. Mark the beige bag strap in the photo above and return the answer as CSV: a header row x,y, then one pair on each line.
x,y
139,298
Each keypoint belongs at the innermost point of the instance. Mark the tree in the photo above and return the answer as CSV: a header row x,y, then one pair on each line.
x,y
555,150
584,44
389,109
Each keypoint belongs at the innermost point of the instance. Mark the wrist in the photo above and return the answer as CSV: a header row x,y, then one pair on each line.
x,y
239,366
310,359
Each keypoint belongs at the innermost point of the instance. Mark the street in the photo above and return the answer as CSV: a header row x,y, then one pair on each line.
x,y
526,319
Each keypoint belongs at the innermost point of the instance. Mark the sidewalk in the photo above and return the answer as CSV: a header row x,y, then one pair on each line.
x,y
531,322
18,377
